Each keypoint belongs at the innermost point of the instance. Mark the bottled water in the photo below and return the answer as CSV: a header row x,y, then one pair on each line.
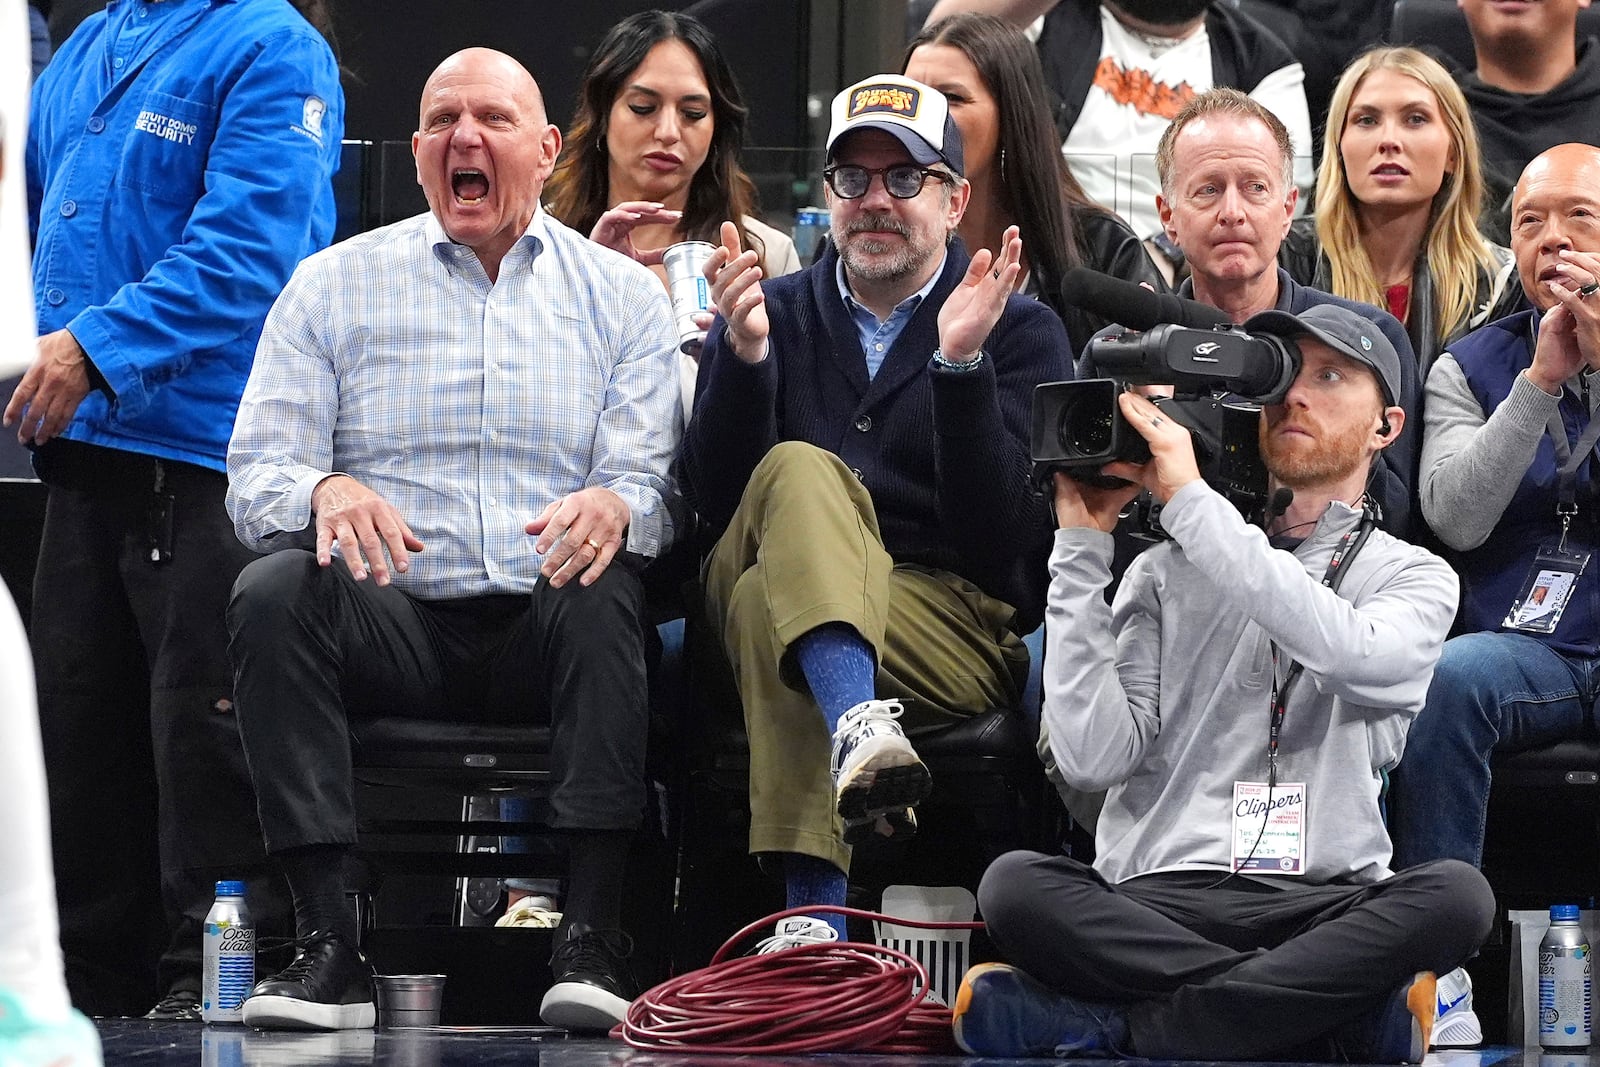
x,y
230,956
1564,982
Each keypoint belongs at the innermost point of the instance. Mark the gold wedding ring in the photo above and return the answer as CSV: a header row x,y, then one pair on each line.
x,y
592,543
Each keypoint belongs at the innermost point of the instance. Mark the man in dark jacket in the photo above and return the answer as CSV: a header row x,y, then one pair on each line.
x,y
860,433
1536,86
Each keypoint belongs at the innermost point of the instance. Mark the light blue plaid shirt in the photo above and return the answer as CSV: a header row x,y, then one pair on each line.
x,y
468,405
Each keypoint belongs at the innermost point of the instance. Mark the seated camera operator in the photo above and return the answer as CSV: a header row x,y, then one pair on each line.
x,y
1240,701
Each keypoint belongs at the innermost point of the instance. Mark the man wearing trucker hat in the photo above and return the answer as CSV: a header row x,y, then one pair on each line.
x,y
1239,701
860,443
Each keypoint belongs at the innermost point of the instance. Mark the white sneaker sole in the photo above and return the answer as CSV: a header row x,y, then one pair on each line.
x,y
885,776
1459,1029
581,1006
287,1013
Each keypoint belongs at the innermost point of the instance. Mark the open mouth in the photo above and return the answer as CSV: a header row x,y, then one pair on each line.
x,y
469,186
1391,170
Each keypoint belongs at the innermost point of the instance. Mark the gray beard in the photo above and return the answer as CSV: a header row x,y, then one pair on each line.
x,y
903,262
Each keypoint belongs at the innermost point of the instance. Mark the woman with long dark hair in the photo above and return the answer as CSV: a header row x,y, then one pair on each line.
x,y
660,121
652,156
992,77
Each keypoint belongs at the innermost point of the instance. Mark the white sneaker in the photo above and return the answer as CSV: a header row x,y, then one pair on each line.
x,y
27,1041
795,931
875,769
531,912
1456,1025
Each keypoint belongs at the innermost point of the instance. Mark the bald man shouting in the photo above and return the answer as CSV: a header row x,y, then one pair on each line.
x,y
1508,481
453,450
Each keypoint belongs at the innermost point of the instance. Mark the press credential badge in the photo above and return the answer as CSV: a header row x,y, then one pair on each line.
x,y
1280,846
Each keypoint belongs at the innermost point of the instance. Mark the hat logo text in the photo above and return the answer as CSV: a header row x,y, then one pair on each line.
x,y
893,99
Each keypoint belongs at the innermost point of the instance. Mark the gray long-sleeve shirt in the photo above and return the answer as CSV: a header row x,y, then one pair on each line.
x,y
1163,697
1472,464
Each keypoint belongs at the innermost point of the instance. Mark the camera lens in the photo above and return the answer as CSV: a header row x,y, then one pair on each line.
x,y
1084,428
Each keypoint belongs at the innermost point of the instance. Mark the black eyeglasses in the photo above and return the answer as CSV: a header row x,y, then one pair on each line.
x,y
902,181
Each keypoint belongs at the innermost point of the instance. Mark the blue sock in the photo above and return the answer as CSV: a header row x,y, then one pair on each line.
x,y
809,880
839,668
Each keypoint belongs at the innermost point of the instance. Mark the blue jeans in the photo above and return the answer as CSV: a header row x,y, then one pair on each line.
x,y
1491,692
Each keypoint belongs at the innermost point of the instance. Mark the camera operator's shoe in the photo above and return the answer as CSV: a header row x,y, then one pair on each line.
x,y
875,769
1457,1024
593,986
1001,1011
26,1039
1398,1030
328,986
795,932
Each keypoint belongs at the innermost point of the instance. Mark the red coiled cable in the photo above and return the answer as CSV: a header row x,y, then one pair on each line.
x,y
835,996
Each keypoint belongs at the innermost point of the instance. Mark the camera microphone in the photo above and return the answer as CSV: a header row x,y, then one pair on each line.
x,y
1281,499
1133,305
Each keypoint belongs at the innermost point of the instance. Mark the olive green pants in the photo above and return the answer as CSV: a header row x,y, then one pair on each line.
x,y
802,550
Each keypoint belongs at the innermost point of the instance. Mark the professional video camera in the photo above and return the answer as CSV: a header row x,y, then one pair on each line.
x,y
1221,377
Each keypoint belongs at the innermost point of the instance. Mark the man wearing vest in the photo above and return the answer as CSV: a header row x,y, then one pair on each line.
x,y
1508,482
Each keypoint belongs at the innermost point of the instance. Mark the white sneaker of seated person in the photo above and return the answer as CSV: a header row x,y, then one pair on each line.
x,y
795,932
877,775
1457,1024
535,912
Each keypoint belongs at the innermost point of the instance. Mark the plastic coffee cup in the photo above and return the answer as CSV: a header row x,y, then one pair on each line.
x,y
691,293
410,999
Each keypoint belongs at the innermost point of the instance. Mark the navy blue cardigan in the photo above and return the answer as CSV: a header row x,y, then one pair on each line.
x,y
943,453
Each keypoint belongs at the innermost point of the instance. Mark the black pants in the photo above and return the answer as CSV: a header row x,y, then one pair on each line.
x,y
149,800
1240,971
312,647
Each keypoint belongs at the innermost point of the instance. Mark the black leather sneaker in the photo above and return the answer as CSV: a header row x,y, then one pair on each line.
x,y
179,1005
593,986
327,987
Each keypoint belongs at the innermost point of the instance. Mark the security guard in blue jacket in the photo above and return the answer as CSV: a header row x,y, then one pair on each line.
x,y
180,157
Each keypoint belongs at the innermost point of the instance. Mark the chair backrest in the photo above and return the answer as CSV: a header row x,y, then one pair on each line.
x,y
1441,25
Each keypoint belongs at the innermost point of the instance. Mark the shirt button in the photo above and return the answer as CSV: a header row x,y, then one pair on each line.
x,y
494,435
878,347
117,62
493,503
96,124
69,208
863,424
55,296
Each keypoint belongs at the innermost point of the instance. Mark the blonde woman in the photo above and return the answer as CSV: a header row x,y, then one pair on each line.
x,y
1399,193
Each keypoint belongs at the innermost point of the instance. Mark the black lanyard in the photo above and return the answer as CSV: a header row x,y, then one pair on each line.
x,y
1570,457
1349,545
